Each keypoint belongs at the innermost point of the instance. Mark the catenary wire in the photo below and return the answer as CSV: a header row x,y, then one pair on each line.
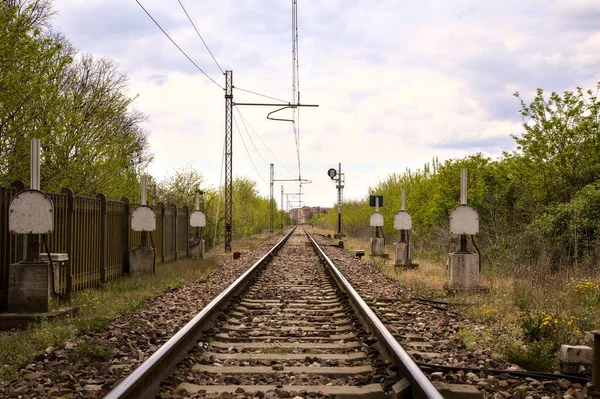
x,y
262,95
250,137
261,140
246,148
296,86
200,36
176,45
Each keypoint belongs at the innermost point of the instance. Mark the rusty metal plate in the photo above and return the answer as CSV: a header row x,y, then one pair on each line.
x,y
464,219
31,212
197,219
402,221
143,218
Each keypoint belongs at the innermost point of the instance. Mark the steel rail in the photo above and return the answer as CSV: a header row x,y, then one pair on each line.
x,y
144,381
421,386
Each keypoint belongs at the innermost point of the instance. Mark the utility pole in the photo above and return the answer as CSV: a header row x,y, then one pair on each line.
x,y
271,202
228,159
229,104
282,207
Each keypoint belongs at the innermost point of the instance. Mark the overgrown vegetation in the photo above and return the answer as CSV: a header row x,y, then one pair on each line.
x,y
250,210
96,308
91,137
539,205
539,209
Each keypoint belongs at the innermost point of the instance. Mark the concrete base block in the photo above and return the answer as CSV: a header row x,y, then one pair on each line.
x,y
29,289
457,391
10,321
402,256
141,260
197,250
377,246
402,389
463,271
573,356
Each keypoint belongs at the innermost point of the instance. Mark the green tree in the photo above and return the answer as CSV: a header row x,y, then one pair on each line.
x,y
30,66
559,152
180,187
91,138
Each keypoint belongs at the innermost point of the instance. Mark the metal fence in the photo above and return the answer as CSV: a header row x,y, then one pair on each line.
x,y
96,234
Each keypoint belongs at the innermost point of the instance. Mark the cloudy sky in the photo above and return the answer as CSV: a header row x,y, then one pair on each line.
x,y
398,82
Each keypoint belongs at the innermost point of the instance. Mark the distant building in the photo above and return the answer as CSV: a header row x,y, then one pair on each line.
x,y
307,213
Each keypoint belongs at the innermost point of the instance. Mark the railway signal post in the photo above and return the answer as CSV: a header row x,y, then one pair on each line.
x,y
143,219
376,220
35,288
198,221
463,265
339,178
403,223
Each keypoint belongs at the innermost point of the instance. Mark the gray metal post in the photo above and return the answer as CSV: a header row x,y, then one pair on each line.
x,y
144,237
463,186
403,208
35,164
463,201
144,188
228,159
403,203
33,240
198,208
282,207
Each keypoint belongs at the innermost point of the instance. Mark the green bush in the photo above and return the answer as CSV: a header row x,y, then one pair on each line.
x,y
535,356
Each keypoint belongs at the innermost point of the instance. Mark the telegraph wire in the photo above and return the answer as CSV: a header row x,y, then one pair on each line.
x,y
248,152
200,36
176,45
262,95
261,140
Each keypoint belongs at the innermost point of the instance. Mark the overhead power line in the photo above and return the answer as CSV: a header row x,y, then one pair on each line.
x,y
265,144
262,95
248,152
250,137
296,83
200,36
176,45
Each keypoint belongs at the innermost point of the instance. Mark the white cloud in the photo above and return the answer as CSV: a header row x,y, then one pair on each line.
x,y
398,83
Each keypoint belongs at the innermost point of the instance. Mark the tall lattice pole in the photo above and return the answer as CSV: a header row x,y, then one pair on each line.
x,y
271,201
228,159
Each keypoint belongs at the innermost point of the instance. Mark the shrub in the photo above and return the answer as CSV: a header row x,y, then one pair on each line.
x,y
535,356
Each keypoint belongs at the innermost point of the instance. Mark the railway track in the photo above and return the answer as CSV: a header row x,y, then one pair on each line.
x,y
290,326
